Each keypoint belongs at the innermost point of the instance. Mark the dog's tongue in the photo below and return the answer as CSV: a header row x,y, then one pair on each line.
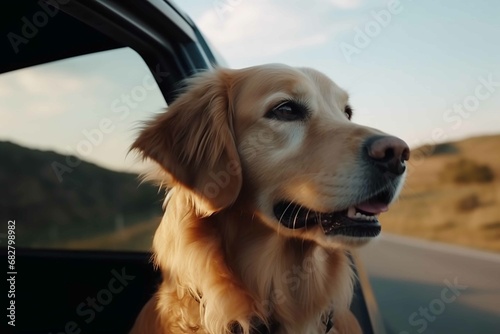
x,y
373,207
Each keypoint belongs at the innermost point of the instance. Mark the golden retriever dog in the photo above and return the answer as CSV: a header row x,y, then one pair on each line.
x,y
270,184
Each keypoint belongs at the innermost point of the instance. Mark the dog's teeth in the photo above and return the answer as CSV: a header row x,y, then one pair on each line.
x,y
351,212
360,216
354,214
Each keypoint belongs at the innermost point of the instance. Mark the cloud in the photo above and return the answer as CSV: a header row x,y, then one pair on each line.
x,y
45,109
6,89
41,92
346,4
250,31
39,82
5,117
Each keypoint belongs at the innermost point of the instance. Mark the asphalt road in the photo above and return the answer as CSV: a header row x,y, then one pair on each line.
x,y
427,287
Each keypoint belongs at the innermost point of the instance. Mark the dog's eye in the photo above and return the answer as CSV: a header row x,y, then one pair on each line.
x,y
288,111
348,111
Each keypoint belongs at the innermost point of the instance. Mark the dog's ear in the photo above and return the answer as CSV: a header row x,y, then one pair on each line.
x,y
194,141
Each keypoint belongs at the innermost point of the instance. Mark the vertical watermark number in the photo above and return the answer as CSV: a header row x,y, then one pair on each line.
x,y
11,272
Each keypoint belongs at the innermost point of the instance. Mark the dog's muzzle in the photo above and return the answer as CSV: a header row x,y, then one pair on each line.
x,y
386,158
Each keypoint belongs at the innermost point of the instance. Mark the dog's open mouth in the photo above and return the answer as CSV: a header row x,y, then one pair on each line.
x,y
359,220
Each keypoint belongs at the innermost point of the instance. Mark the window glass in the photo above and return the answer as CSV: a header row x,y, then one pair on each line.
x,y
65,130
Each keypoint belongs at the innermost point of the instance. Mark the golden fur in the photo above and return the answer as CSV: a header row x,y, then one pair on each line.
x,y
223,256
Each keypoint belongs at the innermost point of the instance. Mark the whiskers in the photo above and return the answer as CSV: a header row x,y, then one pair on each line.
x,y
282,215
294,216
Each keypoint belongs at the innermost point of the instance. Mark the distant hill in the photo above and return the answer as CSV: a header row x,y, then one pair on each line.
x,y
452,194
86,201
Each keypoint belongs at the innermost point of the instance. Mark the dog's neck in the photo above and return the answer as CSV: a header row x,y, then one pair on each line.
x,y
287,273
272,277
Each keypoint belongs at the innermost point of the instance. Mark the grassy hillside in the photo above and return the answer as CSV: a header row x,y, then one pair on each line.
x,y
85,202
452,194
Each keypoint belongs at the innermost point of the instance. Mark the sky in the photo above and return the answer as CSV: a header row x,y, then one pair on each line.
x,y
426,71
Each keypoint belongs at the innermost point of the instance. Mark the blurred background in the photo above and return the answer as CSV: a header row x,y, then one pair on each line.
x,y
426,71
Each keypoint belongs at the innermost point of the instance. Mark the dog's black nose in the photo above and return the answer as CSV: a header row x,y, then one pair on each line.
x,y
388,153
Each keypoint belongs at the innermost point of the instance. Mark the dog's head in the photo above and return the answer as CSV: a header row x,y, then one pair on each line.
x,y
281,138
